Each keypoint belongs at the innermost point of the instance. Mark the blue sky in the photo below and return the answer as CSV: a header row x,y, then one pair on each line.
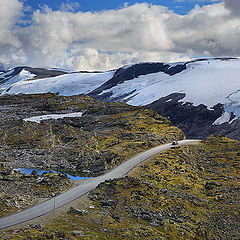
x,y
179,6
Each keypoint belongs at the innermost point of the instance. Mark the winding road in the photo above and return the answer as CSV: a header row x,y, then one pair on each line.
x,y
83,188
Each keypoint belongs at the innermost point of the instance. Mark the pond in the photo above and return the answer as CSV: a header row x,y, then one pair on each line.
x,y
29,171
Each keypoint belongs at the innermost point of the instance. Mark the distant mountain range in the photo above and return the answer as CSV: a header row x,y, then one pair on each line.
x,y
202,97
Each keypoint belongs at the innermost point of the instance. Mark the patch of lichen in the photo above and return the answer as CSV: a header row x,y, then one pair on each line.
x,y
41,234
209,175
160,212
191,192
106,134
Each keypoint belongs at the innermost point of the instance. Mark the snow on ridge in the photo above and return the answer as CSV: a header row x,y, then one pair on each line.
x,y
22,76
38,119
67,84
7,74
207,82
127,66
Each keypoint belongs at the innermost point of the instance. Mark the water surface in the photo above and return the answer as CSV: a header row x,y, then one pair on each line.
x,y
40,171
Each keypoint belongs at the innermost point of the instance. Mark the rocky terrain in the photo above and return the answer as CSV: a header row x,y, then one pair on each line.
x,y
196,121
104,136
19,191
201,97
189,192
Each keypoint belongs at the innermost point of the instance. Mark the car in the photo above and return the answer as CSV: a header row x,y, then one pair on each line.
x,y
174,143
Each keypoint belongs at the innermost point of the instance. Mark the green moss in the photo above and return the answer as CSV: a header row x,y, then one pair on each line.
x,y
111,132
181,185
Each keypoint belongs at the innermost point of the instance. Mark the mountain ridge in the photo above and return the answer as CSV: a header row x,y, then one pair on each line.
x,y
209,87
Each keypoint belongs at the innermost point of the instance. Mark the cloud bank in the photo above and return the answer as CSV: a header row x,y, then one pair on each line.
x,y
109,39
233,5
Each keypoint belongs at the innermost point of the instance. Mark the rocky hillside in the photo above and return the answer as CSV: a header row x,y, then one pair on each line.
x,y
197,121
202,96
19,191
190,192
105,135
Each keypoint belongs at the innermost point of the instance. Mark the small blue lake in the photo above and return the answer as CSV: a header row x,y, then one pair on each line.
x,y
29,171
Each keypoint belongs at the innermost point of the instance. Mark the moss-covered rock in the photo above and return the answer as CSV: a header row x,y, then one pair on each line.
x,y
106,134
187,193
19,190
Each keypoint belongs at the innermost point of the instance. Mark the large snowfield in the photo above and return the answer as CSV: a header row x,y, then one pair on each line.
x,y
207,82
67,85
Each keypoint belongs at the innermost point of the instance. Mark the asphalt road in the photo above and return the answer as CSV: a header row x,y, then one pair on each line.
x,y
88,185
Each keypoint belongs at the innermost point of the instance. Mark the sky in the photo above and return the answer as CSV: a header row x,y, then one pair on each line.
x,y
180,6
106,34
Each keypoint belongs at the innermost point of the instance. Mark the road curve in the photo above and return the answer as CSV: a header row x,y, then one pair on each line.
x,y
88,185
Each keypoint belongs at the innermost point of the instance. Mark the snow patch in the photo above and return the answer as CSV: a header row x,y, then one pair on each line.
x,y
233,103
225,118
38,119
233,120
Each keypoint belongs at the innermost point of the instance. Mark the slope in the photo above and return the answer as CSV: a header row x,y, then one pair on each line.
x,y
104,135
190,192
201,97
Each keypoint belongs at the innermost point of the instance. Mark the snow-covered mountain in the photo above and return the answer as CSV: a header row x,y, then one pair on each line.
x,y
200,95
25,80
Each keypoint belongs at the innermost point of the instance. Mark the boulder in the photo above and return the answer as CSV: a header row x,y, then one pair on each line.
x,y
73,210
77,233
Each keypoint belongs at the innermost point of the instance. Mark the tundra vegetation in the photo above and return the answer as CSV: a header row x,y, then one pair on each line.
x,y
190,192
106,135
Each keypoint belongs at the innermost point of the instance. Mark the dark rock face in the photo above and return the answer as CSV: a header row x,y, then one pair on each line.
x,y
108,203
98,166
73,210
195,121
44,73
125,74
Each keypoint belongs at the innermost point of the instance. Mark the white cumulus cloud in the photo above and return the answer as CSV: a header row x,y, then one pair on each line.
x,y
111,38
